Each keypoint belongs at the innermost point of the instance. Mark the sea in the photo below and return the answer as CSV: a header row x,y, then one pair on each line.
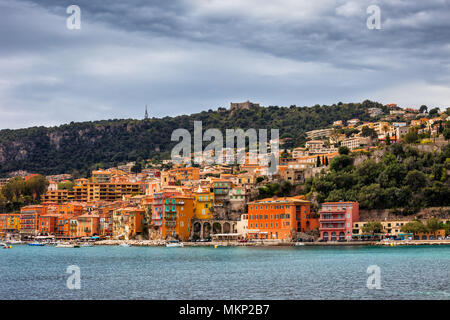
x,y
224,273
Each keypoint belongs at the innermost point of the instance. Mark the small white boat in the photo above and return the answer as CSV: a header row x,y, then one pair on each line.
x,y
87,244
67,245
174,244
124,245
298,244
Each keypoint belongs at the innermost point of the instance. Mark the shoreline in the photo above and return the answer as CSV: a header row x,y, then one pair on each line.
x,y
162,243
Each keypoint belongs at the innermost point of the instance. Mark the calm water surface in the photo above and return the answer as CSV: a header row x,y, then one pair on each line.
x,y
421,272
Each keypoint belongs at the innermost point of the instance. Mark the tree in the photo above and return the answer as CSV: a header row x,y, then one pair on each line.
x,y
371,196
388,139
412,137
446,133
414,227
318,161
434,112
416,180
372,228
326,161
423,109
434,224
14,189
343,162
137,168
36,186
65,185
369,132
343,150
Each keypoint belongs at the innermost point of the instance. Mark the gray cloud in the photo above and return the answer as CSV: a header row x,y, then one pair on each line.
x,y
185,56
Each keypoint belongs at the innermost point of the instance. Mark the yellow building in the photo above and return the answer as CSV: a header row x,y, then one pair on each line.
x,y
13,221
56,196
203,203
104,191
392,228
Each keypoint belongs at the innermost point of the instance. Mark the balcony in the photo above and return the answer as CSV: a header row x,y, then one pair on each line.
x,y
333,219
334,228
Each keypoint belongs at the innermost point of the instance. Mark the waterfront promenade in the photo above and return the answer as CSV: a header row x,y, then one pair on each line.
x,y
157,243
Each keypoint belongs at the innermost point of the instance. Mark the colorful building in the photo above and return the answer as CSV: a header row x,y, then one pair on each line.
x,y
279,218
336,220
30,218
88,225
128,222
47,223
177,216
203,203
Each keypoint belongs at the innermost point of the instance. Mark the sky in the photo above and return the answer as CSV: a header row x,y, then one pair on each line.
x,y
187,56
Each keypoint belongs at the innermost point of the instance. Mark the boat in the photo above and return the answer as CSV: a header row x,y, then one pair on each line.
x,y
87,244
124,245
174,244
36,244
67,245
6,246
297,244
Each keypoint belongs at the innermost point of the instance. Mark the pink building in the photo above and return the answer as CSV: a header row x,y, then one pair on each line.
x,y
336,220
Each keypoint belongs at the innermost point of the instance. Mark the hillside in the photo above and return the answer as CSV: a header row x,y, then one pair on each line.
x,y
80,146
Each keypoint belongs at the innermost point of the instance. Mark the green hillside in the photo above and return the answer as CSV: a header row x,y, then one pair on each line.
x,y
80,146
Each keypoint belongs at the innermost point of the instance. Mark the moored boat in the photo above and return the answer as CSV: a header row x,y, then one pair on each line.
x,y
67,245
36,244
87,244
174,244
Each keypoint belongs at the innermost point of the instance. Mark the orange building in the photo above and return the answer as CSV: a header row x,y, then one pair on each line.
x,y
280,218
186,174
55,196
70,208
63,223
2,224
88,225
30,218
47,223
177,215
128,222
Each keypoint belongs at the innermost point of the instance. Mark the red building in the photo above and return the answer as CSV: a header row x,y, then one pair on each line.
x,y
336,220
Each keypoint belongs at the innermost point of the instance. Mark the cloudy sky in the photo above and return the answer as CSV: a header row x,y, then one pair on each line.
x,y
184,56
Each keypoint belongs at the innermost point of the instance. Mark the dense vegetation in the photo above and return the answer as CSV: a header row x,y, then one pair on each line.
x,y
86,145
403,177
432,225
18,192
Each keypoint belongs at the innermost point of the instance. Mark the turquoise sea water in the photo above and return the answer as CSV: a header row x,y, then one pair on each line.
x,y
421,272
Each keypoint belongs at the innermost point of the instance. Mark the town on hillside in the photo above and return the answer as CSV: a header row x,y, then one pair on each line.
x,y
354,181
